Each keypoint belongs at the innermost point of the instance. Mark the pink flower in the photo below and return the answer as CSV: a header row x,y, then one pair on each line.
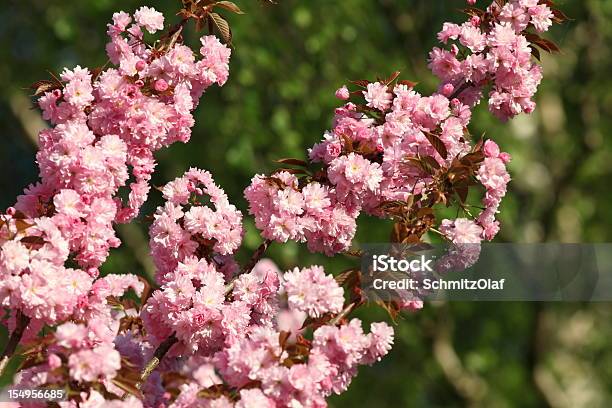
x,y
311,291
121,20
68,202
472,38
14,258
514,15
92,365
541,17
502,35
254,398
449,31
354,178
316,197
151,19
377,96
493,174
444,64
462,231
78,90
491,149
71,335
381,341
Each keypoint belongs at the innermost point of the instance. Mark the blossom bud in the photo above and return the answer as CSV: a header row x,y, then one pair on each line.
x,y
447,90
491,149
10,211
471,2
475,21
140,65
54,361
342,93
139,83
93,272
505,157
160,85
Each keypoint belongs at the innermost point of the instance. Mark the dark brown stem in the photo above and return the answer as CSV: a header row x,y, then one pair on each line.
x,y
21,324
256,257
458,91
158,355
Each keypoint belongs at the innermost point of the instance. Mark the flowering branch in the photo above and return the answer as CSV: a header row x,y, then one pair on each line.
x,y
21,323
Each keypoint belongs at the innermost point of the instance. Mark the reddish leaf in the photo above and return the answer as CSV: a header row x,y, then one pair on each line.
x,y
425,165
222,26
462,192
392,78
344,277
411,239
409,84
283,337
228,5
22,225
127,387
543,43
44,86
437,144
33,240
292,171
391,308
293,162
361,82
430,163
559,16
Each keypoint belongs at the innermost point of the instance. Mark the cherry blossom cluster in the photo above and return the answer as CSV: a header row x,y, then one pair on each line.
x,y
84,352
493,49
106,126
312,214
183,227
398,145
233,324
240,341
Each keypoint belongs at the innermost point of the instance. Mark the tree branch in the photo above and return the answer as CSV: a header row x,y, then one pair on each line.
x,y
256,257
21,324
158,355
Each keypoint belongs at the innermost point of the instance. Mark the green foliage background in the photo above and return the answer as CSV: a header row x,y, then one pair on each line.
x,y
287,62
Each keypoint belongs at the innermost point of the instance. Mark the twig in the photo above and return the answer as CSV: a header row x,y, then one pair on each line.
x,y
458,91
347,309
256,257
22,322
158,355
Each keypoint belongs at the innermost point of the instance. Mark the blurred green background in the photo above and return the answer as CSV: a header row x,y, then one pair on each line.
x,y
287,62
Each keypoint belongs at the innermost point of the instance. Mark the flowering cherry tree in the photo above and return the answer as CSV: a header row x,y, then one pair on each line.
x,y
212,332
